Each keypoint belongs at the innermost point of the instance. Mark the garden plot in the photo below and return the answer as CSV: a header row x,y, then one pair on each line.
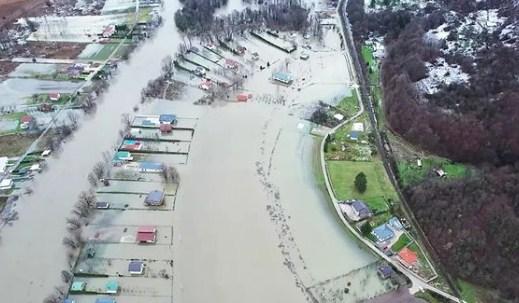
x,y
138,187
152,121
129,201
155,134
125,234
199,60
33,70
129,286
101,52
210,55
161,158
74,28
156,147
131,251
16,91
8,126
118,267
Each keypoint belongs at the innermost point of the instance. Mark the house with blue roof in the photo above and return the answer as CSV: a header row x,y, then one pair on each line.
x,y
383,234
167,119
361,210
284,78
354,135
395,224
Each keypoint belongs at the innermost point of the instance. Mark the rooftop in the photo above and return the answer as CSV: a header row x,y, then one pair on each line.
x,y
154,198
383,233
408,256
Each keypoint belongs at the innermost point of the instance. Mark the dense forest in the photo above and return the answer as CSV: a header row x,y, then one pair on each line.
x,y
471,222
197,17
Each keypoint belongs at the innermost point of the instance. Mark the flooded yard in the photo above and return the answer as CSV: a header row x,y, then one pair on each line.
x,y
17,91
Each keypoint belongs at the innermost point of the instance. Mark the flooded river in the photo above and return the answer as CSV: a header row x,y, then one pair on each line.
x,y
31,249
250,222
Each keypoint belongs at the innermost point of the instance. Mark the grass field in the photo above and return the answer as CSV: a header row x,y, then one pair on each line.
x,y
105,52
350,104
410,173
468,292
15,145
342,175
401,243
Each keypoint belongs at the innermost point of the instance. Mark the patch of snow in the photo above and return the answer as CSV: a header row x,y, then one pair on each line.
x,y
438,33
440,73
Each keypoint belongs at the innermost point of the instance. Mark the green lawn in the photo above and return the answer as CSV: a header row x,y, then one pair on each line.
x,y
349,104
468,292
105,52
401,243
342,175
410,173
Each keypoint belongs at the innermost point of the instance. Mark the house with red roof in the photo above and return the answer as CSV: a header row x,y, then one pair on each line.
x,y
26,121
54,97
407,257
146,234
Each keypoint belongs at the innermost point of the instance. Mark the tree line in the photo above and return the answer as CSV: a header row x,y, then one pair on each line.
x,y
471,221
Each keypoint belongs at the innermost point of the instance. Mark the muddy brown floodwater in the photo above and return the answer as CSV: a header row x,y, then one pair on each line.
x,y
31,251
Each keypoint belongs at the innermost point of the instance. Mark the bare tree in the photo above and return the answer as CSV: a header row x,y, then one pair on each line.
x,y
67,241
167,67
170,174
73,119
99,170
92,179
66,276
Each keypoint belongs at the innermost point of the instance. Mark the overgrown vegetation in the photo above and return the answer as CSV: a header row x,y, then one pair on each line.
x,y
468,219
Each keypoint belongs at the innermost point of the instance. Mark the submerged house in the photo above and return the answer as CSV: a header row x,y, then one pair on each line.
x,y
284,78
168,119
136,267
146,234
154,198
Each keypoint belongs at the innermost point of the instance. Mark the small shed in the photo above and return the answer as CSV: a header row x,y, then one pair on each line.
x,y
69,301
26,121
105,300
146,234
358,127
46,153
407,257
284,78
440,173
154,198
168,118
78,286
102,205
123,156
136,267
242,97
54,97
354,135
150,167
112,287
166,128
